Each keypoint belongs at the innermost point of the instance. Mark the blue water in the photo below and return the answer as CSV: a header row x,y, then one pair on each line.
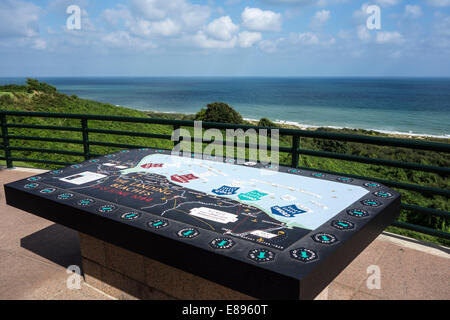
x,y
407,105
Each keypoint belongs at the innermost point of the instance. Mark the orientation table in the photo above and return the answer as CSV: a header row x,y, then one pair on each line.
x,y
266,232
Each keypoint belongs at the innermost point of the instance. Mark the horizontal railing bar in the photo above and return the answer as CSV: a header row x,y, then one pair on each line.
x,y
236,144
383,162
98,155
42,161
70,153
32,126
399,185
405,143
428,211
381,141
13,137
131,133
421,229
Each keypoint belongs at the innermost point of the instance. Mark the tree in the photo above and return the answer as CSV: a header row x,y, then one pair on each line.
x,y
35,85
219,112
264,122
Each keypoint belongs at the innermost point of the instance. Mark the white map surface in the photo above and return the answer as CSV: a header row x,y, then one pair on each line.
x,y
321,199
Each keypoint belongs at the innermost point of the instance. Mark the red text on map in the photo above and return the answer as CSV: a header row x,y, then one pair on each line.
x,y
152,165
184,178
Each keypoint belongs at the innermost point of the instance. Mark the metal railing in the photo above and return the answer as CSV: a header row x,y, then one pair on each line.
x,y
294,150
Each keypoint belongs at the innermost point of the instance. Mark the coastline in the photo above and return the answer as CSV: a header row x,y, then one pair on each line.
x,y
386,132
296,125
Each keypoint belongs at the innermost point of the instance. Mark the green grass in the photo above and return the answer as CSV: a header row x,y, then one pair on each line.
x,y
9,94
25,98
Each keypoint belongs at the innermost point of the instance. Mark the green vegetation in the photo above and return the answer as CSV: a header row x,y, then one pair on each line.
x,y
219,112
39,97
264,122
26,98
171,116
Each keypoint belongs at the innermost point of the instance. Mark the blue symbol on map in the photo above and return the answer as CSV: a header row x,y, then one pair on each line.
x,y
225,190
287,211
252,195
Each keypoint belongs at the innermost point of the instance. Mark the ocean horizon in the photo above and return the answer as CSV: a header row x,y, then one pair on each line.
x,y
413,106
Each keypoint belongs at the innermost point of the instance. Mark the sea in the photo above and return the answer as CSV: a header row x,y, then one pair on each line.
x,y
413,106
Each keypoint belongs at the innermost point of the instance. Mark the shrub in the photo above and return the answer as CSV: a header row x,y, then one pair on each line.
x,y
219,112
264,122
35,85
332,145
6,99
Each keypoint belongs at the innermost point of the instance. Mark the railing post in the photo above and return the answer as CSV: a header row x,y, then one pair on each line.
x,y
84,128
176,136
3,123
295,146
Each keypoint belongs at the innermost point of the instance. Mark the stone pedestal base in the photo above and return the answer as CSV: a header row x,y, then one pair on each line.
x,y
126,275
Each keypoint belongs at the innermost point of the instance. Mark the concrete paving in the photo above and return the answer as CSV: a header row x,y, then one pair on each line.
x,y
35,254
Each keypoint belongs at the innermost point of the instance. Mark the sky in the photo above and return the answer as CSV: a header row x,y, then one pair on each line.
x,y
282,38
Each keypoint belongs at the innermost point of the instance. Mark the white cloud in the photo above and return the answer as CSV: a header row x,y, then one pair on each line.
x,y
122,39
149,29
343,34
247,39
159,18
413,11
255,19
114,15
173,14
269,46
360,15
201,40
387,3
194,16
439,3
165,27
320,18
61,5
396,54
39,44
305,38
320,3
146,23
311,38
362,33
19,19
182,11
19,25
154,9
385,37
442,26
299,2
222,28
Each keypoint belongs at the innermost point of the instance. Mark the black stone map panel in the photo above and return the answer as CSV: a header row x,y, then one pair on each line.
x,y
269,232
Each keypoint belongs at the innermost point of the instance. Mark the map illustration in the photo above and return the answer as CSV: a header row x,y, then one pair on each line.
x,y
269,207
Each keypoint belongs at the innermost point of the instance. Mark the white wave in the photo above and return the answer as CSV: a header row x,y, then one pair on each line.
x,y
308,126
